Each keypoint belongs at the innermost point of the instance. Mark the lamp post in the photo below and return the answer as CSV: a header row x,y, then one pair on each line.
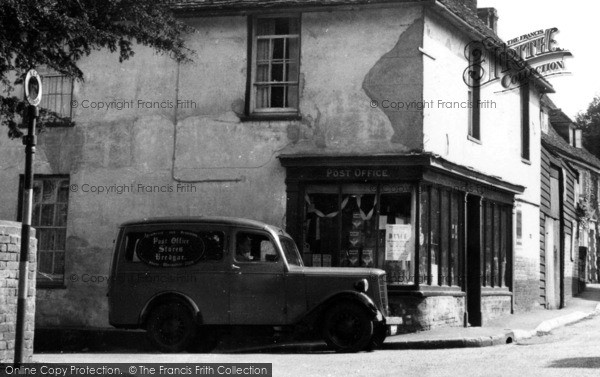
x,y
33,92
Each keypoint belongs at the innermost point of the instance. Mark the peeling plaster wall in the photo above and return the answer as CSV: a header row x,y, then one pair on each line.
x,y
142,144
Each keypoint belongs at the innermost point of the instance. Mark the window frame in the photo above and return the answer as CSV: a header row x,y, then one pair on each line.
x,y
59,283
524,97
251,92
45,74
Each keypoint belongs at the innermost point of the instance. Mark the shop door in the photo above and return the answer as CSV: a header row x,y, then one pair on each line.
x,y
473,270
553,242
551,302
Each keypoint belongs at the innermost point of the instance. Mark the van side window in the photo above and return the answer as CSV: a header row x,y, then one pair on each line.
x,y
173,248
252,247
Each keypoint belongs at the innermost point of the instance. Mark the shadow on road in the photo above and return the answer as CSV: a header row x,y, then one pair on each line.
x,y
577,362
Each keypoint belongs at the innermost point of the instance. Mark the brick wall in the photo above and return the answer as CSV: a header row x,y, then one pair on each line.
x,y
10,246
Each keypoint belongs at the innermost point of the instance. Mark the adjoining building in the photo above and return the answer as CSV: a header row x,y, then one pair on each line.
x,y
356,125
569,210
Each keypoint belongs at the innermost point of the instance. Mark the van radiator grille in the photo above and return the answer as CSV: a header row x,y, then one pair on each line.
x,y
383,293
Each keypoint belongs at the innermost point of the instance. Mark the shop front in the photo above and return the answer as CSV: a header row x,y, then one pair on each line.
x,y
442,232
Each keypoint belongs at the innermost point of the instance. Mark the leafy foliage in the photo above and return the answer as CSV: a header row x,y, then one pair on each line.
x,y
58,33
589,122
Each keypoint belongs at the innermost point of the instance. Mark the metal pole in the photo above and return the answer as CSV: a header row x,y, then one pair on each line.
x,y
29,141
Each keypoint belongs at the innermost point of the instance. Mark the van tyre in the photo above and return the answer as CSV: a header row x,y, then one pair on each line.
x,y
171,327
347,327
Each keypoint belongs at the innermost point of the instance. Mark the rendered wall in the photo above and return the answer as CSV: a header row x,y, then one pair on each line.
x,y
145,144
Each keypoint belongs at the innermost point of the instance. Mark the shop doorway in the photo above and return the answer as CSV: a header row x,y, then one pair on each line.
x,y
473,262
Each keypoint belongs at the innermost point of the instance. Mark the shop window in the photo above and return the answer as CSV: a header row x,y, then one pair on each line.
x,y
496,243
359,238
361,226
275,65
321,225
396,234
441,241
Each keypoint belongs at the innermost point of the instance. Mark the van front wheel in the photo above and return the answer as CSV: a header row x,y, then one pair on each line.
x,y
347,328
171,327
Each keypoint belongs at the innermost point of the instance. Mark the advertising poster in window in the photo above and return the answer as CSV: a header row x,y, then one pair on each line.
x,y
398,242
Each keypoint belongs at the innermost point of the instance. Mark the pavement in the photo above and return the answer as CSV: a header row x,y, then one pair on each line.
x,y
504,330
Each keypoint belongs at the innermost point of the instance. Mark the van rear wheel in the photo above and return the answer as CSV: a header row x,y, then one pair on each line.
x,y
171,327
347,328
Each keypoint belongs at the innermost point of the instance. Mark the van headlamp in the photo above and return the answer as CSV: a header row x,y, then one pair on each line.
x,y
362,285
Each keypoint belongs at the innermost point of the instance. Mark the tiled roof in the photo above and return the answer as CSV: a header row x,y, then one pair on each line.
x,y
556,143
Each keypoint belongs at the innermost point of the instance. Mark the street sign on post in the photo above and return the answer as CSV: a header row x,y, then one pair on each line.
x,y
33,93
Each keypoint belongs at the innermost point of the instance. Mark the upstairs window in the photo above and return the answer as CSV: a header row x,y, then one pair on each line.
x,y
58,92
525,122
275,65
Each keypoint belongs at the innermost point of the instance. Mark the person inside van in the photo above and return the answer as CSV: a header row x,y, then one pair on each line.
x,y
244,249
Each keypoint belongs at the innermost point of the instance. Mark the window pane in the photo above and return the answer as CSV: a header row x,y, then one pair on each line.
x,y
63,192
291,70
251,247
262,73
61,215
358,230
263,52
265,26
278,48
35,217
37,191
506,229
47,215
321,229
424,250
277,72
444,237
454,246
292,49
488,243
282,26
397,237
60,240
277,96
292,96
59,263
435,235
49,189
496,250
45,262
262,96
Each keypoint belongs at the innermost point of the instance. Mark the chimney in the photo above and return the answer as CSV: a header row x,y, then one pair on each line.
x,y
471,4
489,16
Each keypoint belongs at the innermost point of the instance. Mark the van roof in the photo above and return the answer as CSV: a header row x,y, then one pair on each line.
x,y
235,221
